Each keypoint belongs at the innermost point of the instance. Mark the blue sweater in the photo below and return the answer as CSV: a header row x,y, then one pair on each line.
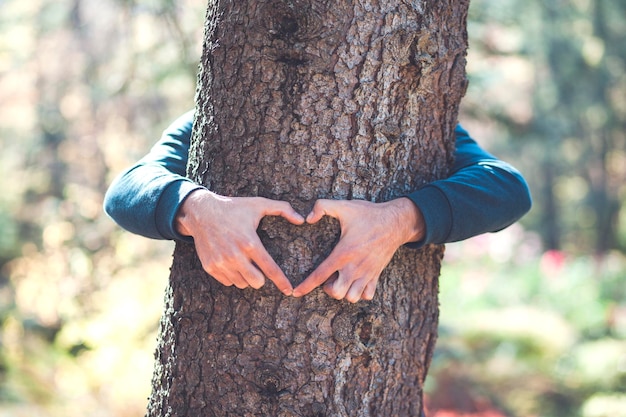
x,y
482,194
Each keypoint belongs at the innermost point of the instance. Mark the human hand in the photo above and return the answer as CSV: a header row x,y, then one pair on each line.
x,y
224,232
370,235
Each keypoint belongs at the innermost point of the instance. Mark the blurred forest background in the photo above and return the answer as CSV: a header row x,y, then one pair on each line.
x,y
533,319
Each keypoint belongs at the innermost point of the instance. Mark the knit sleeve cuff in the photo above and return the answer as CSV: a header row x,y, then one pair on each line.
x,y
169,203
437,214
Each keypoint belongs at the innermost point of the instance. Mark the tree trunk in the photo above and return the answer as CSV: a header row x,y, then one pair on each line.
x,y
300,100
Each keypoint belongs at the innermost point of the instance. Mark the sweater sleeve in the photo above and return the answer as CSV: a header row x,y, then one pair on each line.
x,y
145,198
482,194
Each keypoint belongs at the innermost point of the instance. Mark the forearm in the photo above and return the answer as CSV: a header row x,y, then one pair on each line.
x,y
193,212
410,223
145,199
481,198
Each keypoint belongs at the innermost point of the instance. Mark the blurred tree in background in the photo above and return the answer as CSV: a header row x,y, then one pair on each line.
x,y
533,318
551,75
86,86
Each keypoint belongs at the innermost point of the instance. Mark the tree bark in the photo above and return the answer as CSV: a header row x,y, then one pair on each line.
x,y
300,100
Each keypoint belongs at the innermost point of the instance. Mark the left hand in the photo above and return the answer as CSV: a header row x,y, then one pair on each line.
x,y
370,235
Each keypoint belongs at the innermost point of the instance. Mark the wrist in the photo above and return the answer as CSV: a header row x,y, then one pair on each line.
x,y
411,220
186,215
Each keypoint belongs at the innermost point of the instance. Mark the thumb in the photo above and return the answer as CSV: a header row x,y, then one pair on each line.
x,y
285,210
320,209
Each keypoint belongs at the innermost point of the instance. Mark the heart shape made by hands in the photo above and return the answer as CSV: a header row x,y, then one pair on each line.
x,y
298,250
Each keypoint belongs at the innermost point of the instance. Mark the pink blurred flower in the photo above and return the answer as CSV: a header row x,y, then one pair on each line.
x,y
552,262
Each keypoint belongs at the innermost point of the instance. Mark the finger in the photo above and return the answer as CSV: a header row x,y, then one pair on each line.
x,y
229,279
321,274
239,281
285,210
215,272
272,271
249,276
339,288
226,274
253,276
320,209
370,290
221,279
355,293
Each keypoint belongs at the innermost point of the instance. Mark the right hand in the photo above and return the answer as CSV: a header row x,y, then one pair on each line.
x,y
224,233
370,235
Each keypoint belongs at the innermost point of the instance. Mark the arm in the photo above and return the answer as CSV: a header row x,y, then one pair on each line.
x,y
154,199
145,198
371,233
482,194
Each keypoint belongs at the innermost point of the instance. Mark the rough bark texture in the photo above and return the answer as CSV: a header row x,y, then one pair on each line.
x,y
300,100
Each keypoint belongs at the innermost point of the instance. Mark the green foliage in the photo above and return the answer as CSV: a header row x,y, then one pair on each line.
x,y
552,75
603,405
86,86
544,335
